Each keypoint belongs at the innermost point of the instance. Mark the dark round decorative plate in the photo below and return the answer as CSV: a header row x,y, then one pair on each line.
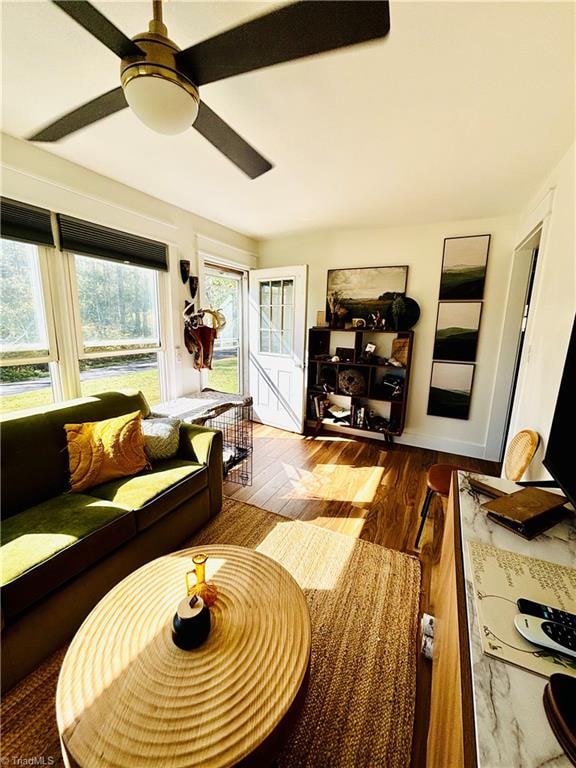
x,y
405,319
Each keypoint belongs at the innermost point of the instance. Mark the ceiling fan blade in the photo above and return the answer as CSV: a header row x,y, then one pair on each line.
x,y
227,141
292,32
88,113
99,26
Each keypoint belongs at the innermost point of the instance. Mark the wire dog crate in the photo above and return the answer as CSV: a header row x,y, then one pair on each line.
x,y
236,427
231,414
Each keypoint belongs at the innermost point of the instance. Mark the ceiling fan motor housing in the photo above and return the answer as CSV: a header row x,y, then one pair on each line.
x,y
158,61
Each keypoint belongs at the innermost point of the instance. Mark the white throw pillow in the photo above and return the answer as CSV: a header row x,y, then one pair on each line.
x,y
161,437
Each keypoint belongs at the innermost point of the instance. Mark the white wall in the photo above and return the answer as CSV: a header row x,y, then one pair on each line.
x,y
421,249
35,176
553,305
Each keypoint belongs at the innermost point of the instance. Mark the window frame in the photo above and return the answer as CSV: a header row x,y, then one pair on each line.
x,y
162,279
52,359
207,261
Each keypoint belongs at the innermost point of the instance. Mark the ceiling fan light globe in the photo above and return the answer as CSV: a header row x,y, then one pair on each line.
x,y
161,104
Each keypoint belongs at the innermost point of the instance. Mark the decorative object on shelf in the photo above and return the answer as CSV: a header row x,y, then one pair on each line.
x,y
184,270
364,291
464,267
337,312
402,314
191,623
351,381
358,322
377,321
457,327
450,390
204,589
321,319
345,354
392,386
400,348
327,378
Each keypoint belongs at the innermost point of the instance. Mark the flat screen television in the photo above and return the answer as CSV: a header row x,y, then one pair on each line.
x,y
560,455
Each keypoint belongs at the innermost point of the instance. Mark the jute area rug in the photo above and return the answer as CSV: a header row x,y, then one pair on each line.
x,y
363,600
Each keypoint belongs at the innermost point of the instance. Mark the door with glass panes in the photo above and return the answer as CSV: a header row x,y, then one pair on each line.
x,y
277,325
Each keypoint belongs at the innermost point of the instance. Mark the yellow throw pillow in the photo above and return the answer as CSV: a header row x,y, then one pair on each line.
x,y
99,451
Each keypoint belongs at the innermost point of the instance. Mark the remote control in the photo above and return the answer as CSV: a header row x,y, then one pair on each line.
x,y
542,611
547,634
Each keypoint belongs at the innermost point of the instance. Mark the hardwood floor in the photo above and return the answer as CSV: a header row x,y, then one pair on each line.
x,y
363,488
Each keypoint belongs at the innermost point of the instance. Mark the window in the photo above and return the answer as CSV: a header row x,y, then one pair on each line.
x,y
26,349
223,288
276,313
80,320
118,327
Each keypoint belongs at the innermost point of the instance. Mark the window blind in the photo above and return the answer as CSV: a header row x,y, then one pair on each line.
x,y
87,239
25,223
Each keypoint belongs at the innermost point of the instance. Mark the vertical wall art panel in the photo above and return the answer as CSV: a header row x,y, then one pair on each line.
x,y
464,268
457,329
450,390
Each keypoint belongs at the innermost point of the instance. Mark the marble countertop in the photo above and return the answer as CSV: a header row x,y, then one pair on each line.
x,y
512,730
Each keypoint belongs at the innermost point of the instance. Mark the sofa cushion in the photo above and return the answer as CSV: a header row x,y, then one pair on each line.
x,y
161,438
152,494
42,436
100,451
46,545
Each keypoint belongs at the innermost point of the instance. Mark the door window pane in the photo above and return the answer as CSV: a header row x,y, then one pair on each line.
x,y
118,305
276,287
276,314
22,320
25,386
103,374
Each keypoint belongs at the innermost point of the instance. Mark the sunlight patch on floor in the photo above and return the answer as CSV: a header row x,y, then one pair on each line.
x,y
351,526
334,482
283,544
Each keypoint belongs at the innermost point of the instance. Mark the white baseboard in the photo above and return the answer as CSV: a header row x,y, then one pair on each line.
x,y
431,442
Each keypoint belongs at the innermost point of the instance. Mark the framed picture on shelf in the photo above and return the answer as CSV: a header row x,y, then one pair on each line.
x,y
363,293
450,390
346,354
464,267
457,326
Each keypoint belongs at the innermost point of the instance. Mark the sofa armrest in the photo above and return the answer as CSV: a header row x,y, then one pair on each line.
x,y
204,445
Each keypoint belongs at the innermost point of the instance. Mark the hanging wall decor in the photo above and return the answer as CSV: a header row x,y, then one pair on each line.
x,y
450,390
457,327
184,270
363,292
464,267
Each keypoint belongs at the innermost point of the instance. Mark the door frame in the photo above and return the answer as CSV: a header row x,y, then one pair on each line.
x,y
537,221
205,261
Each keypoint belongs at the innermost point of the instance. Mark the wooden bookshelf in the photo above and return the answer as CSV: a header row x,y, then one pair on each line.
x,y
368,382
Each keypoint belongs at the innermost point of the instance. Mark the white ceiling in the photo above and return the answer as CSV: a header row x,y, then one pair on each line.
x,y
459,113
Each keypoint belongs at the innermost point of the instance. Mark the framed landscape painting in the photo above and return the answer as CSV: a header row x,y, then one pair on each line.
x,y
450,390
363,291
464,267
457,329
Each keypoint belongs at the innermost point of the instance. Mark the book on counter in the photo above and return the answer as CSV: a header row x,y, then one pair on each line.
x,y
527,512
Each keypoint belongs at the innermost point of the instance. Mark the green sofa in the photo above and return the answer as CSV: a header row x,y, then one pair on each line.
x,y
60,551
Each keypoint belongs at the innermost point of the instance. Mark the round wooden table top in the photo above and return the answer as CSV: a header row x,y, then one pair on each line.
x,y
127,696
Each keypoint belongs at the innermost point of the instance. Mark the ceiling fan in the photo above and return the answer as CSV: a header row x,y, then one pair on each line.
x,y
160,82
